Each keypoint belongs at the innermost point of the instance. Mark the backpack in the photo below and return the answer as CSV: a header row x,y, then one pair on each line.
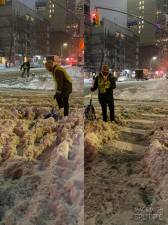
x,y
90,112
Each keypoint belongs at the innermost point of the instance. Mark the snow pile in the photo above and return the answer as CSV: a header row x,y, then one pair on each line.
x,y
156,158
156,166
41,173
22,135
152,90
96,135
41,81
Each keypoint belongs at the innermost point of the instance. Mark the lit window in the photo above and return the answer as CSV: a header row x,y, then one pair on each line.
x,y
50,16
139,31
140,7
50,10
139,27
142,21
139,3
143,7
53,5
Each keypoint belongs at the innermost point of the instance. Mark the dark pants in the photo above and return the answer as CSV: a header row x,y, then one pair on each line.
x,y
25,70
28,72
63,102
104,110
23,73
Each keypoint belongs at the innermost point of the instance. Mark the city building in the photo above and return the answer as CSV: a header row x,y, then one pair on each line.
x,y
41,7
66,25
153,38
21,32
111,44
145,10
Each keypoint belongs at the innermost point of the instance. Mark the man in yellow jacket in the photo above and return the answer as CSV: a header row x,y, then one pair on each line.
x,y
63,85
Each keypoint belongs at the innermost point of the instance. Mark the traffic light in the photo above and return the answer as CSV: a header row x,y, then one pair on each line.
x,y
95,18
2,2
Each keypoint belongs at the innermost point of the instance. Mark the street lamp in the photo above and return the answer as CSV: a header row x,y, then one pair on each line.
x,y
154,58
64,45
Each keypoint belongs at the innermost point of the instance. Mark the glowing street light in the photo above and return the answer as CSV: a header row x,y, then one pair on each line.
x,y
154,58
64,45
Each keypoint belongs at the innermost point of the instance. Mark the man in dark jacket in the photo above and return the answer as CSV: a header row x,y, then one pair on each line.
x,y
26,68
105,83
63,84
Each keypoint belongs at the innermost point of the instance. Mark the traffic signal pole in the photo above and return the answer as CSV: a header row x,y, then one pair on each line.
x,y
163,31
129,14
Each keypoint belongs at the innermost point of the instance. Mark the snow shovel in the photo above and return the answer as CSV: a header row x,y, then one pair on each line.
x,y
54,114
90,111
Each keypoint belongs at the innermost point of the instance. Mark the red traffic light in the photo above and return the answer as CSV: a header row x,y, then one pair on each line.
x,y
95,18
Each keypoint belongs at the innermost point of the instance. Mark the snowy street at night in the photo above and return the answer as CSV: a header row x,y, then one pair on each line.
x,y
126,161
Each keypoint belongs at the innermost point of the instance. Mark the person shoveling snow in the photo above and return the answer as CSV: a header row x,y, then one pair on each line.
x,y
63,85
105,83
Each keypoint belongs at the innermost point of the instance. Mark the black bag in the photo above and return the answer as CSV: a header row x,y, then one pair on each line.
x,y
90,112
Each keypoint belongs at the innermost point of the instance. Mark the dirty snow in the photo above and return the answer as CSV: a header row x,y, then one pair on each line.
x,y
42,81
146,90
41,160
130,186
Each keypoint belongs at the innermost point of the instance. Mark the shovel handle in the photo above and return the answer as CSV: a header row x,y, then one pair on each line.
x,y
91,97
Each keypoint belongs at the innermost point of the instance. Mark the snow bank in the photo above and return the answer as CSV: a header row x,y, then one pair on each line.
x,y
147,90
156,158
156,166
41,173
97,134
42,81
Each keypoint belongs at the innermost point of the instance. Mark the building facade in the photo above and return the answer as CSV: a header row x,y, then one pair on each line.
x,y
153,38
113,45
66,25
21,32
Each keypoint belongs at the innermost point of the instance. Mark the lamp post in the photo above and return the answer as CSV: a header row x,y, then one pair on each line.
x,y
154,58
64,45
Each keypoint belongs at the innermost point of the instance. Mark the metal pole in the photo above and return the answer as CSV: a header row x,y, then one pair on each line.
x,y
61,51
129,14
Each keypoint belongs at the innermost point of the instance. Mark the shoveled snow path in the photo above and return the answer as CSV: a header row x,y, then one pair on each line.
x,y
115,183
